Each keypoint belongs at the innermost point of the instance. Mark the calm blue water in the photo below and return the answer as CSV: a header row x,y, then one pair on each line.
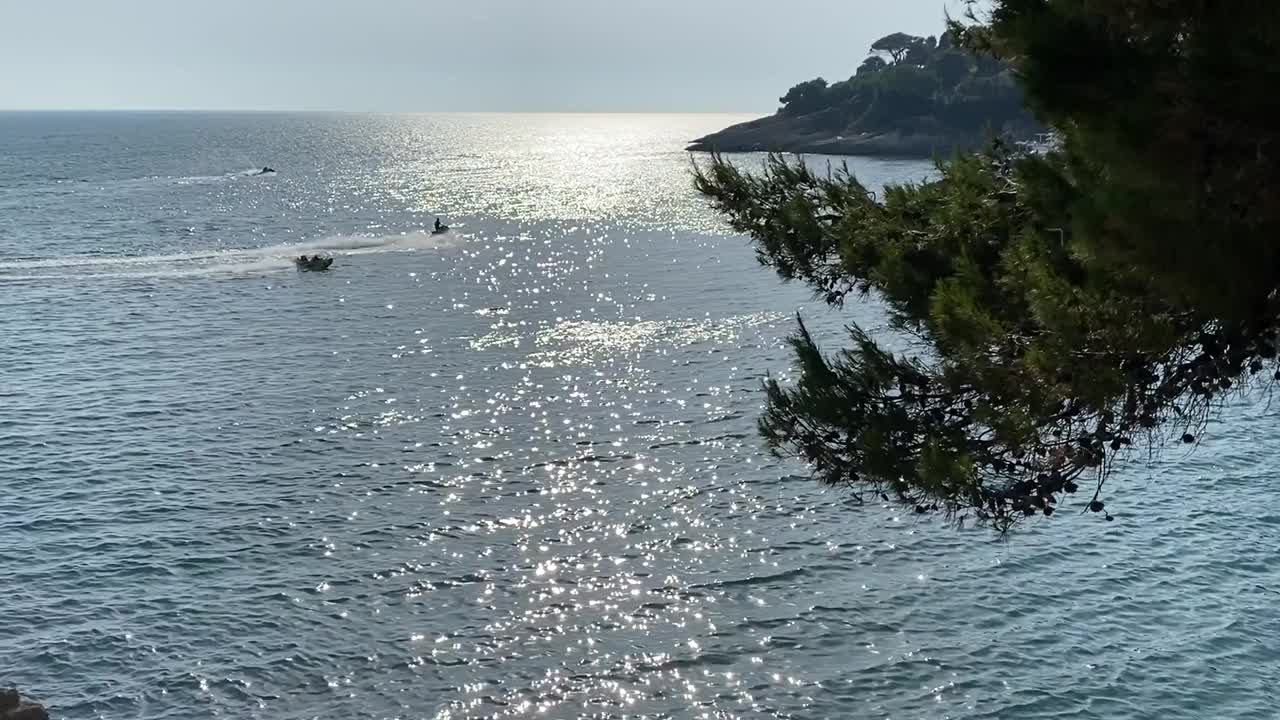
x,y
512,471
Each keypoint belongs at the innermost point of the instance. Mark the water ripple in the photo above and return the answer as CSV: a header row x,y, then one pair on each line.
x,y
514,471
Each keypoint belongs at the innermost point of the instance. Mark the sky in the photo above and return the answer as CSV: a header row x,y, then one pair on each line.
x,y
437,55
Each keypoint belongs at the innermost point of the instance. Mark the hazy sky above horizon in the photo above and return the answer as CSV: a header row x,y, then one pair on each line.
x,y
437,55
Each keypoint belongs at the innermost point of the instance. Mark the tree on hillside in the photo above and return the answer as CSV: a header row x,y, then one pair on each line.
x,y
898,45
1063,308
875,63
805,97
928,90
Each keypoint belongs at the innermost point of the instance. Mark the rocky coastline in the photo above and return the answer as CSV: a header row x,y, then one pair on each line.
x,y
807,134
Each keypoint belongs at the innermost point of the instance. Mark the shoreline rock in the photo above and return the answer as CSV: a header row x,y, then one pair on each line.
x,y
13,707
806,134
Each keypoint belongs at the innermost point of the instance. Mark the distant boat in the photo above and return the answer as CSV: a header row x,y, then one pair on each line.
x,y
266,171
313,264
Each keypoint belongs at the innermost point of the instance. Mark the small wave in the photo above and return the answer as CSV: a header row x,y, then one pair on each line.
x,y
203,179
271,258
186,179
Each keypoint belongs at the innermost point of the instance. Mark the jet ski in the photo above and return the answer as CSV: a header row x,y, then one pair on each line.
x,y
312,264
440,230
266,171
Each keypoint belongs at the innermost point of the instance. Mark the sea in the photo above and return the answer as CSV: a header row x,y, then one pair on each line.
x,y
512,470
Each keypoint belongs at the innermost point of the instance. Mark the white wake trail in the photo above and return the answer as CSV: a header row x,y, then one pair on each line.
x,y
271,258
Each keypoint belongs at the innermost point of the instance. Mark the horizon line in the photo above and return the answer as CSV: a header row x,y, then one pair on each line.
x,y
373,112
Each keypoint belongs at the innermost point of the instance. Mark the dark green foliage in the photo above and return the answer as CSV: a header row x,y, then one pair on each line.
x,y
805,98
1062,306
925,86
952,67
875,63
